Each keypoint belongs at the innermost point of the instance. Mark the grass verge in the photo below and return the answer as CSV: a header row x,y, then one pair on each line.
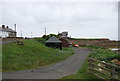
x,y
105,54
31,55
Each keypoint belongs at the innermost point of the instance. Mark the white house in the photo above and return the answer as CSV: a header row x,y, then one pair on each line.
x,y
7,32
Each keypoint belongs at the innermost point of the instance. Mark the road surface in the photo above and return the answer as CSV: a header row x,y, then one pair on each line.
x,y
6,42
68,66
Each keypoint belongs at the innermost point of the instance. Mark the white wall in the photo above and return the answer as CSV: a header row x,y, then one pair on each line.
x,y
4,34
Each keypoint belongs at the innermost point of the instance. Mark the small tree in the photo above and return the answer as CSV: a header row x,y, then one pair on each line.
x,y
46,37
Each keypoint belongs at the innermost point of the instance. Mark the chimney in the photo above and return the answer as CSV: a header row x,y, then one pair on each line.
x,y
7,27
3,26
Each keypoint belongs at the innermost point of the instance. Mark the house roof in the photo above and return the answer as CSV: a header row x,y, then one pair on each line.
x,y
7,29
53,39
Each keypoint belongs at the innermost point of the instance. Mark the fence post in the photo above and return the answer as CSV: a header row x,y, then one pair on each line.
x,y
90,62
113,72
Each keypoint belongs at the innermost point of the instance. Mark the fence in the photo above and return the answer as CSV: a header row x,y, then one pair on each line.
x,y
104,70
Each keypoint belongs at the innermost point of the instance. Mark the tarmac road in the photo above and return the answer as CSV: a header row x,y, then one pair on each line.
x,y
68,66
7,42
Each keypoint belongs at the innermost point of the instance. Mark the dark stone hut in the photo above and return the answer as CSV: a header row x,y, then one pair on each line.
x,y
53,42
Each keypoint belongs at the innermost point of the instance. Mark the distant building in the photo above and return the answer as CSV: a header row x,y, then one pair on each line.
x,y
64,38
65,42
53,42
7,32
63,35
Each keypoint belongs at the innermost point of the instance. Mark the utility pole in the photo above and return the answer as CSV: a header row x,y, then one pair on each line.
x,y
15,34
45,31
58,30
15,26
21,33
31,34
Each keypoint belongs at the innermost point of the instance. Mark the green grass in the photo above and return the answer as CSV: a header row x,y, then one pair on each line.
x,y
82,73
31,55
105,54
41,40
67,49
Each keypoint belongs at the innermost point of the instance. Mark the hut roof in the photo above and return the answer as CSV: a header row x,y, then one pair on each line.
x,y
53,39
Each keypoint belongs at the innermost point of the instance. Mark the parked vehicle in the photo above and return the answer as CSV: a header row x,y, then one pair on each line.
x,y
76,45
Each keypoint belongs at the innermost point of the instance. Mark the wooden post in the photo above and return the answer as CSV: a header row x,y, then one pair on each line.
x,y
90,62
112,72
89,66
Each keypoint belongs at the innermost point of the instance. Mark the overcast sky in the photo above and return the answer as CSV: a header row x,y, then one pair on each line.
x,y
80,19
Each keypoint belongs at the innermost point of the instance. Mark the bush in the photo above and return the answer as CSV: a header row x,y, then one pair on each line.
x,y
46,37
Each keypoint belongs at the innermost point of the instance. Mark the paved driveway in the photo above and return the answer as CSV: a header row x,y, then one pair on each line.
x,y
68,66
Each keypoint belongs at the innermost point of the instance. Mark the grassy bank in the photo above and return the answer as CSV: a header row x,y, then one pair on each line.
x,y
32,54
105,54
